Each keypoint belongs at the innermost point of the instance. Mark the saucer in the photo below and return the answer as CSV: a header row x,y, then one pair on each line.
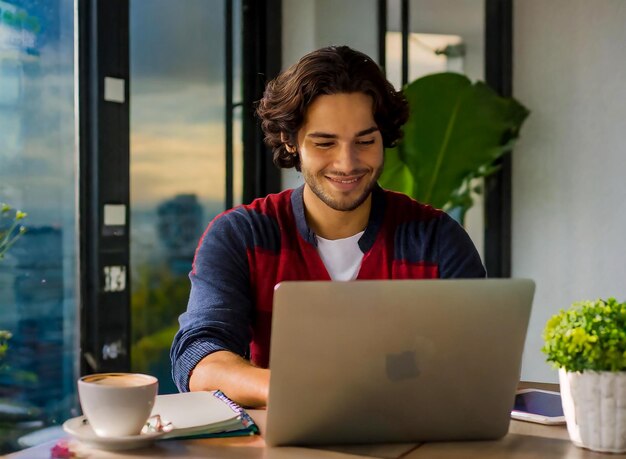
x,y
80,429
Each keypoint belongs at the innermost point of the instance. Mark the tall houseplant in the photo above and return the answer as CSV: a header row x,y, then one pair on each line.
x,y
587,343
456,131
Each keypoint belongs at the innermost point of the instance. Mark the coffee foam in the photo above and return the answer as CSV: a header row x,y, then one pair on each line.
x,y
119,380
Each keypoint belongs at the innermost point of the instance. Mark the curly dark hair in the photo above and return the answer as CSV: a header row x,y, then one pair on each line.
x,y
330,70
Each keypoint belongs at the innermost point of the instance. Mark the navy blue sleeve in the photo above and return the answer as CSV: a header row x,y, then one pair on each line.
x,y
457,255
219,310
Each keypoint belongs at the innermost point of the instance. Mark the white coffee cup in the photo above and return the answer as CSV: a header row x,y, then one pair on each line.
x,y
117,404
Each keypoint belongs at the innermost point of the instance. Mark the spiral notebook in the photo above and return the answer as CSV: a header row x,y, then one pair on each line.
x,y
201,415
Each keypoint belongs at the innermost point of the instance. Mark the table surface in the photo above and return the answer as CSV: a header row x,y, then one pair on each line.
x,y
524,440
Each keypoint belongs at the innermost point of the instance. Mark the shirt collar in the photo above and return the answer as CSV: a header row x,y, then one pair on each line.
x,y
374,223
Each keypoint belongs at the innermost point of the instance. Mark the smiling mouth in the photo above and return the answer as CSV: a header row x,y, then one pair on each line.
x,y
344,180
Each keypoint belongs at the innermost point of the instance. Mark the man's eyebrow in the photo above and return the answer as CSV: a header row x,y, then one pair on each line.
x,y
366,131
326,135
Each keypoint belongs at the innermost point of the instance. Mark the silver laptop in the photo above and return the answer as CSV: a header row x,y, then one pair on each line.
x,y
395,361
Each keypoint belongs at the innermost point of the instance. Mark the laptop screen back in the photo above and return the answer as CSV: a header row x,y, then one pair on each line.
x,y
395,361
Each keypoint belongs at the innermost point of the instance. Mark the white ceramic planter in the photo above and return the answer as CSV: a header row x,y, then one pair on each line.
x,y
594,404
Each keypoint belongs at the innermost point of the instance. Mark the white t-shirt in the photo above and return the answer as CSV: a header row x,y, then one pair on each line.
x,y
342,257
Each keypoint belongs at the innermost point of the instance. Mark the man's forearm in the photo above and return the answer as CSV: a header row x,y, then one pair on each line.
x,y
241,381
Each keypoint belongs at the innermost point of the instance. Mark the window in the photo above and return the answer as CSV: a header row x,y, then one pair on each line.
x,y
38,276
177,160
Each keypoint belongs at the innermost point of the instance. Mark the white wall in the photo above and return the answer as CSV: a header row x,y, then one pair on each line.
x,y
569,186
312,24
465,18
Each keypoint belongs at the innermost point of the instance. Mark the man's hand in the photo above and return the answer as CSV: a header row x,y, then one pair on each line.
x,y
241,381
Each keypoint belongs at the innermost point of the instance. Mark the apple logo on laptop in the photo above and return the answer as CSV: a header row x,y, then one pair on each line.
x,y
401,366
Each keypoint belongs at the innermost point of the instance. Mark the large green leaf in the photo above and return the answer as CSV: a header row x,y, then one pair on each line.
x,y
398,175
456,130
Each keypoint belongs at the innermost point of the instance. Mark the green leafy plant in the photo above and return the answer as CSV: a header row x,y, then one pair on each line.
x,y
15,229
456,131
589,336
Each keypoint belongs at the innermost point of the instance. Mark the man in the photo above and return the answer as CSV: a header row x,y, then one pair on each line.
x,y
329,116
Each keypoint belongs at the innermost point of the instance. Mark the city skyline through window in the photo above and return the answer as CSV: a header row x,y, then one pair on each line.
x,y
177,162
38,174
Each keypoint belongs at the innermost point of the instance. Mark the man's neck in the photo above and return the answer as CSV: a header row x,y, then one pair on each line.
x,y
334,224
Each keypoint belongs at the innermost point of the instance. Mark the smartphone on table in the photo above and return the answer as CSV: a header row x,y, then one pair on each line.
x,y
537,405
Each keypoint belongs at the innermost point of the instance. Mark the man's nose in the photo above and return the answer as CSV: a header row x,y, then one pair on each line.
x,y
346,159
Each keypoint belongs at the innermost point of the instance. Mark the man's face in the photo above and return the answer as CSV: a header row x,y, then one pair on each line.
x,y
341,149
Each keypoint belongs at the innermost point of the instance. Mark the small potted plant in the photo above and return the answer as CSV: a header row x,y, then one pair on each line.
x,y
587,343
